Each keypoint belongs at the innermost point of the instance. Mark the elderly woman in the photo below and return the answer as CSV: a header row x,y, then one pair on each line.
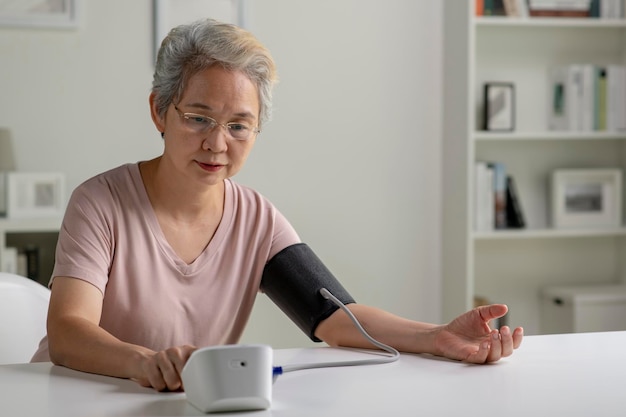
x,y
160,257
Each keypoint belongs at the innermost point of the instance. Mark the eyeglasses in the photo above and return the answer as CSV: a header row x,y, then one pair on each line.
x,y
200,124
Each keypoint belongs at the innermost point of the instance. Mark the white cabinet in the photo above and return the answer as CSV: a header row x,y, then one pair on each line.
x,y
583,308
37,234
512,266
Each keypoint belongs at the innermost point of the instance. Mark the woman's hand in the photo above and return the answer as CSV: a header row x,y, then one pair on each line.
x,y
469,338
162,370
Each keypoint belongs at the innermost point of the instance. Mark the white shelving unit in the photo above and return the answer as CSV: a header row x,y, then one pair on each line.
x,y
511,266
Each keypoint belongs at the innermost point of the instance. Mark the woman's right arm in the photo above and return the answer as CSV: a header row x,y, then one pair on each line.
x,y
77,341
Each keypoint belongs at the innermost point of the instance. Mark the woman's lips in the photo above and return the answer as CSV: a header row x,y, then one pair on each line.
x,y
211,166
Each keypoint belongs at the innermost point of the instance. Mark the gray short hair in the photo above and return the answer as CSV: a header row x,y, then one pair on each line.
x,y
191,48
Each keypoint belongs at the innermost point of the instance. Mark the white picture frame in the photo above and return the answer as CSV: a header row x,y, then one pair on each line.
x,y
52,14
586,198
171,13
35,194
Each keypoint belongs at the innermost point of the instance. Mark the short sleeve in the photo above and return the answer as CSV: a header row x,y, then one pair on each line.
x,y
85,246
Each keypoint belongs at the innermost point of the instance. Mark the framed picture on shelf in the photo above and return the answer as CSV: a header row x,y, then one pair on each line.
x,y
586,198
170,13
39,13
499,106
35,194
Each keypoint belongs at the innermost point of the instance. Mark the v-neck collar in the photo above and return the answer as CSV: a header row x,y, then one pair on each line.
x,y
209,251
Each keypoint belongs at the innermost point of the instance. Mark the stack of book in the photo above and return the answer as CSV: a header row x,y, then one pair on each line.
x,y
587,98
24,262
606,9
497,204
559,8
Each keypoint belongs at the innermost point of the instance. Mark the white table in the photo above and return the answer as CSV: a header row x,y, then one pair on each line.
x,y
556,375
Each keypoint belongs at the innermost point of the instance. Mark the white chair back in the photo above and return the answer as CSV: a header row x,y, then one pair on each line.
x,y
23,312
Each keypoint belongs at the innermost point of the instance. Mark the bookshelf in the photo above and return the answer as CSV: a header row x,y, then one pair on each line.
x,y
512,266
40,233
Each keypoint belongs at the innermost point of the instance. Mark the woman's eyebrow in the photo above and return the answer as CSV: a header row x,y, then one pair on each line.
x,y
205,107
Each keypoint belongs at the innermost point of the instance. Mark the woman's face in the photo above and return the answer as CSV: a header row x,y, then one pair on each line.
x,y
195,150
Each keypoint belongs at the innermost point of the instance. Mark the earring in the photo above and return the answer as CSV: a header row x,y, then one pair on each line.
x,y
163,135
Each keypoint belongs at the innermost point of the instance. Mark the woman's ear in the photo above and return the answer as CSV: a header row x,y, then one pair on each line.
x,y
157,119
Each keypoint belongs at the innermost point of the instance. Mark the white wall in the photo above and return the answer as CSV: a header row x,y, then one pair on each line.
x,y
352,156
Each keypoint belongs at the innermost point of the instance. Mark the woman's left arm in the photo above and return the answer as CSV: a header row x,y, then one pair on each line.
x,y
467,338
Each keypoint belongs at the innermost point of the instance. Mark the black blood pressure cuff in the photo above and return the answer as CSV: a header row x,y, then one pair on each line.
x,y
292,279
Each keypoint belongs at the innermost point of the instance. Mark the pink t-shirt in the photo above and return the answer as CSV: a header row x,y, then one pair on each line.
x,y
110,237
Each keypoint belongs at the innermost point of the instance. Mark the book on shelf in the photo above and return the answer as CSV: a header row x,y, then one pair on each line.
x,y
587,97
499,194
559,8
22,264
564,89
514,212
615,98
599,105
9,260
484,214
516,8
512,8
496,201
31,253
493,8
479,7
610,9
558,13
604,9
